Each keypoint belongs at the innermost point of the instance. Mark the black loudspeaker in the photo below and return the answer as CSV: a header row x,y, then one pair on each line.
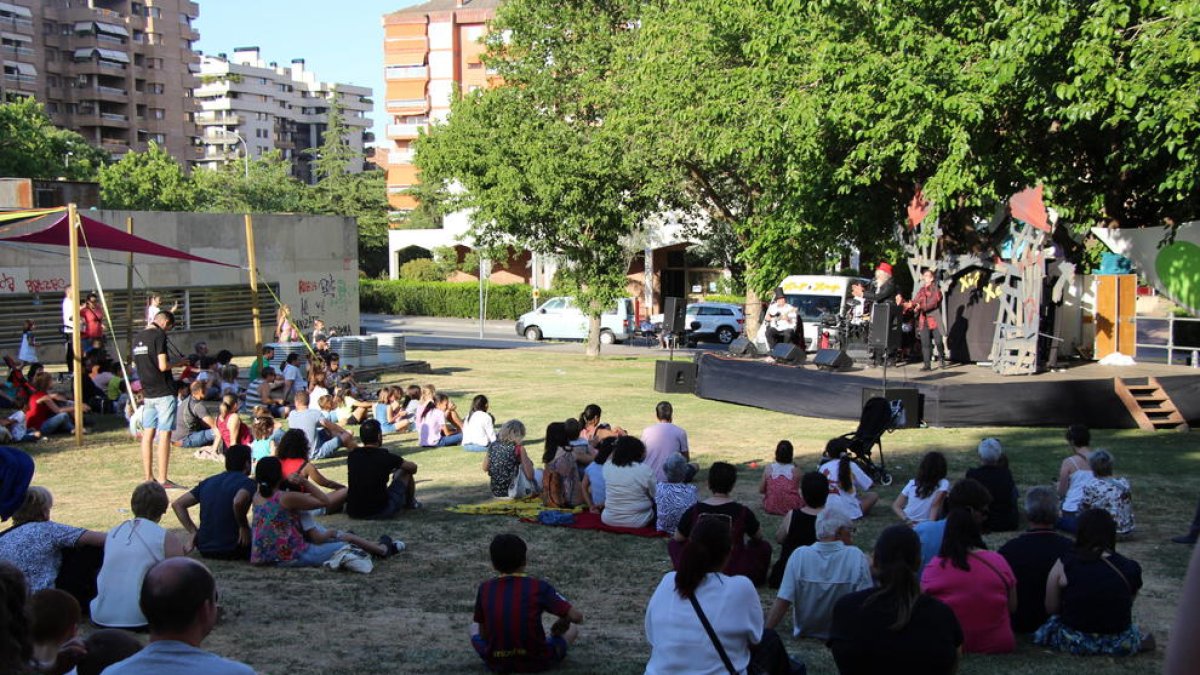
x,y
788,354
908,397
743,347
675,377
832,359
885,332
674,310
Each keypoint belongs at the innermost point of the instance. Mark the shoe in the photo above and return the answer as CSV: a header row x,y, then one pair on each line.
x,y
1188,539
943,362
925,369
414,505
171,485
393,546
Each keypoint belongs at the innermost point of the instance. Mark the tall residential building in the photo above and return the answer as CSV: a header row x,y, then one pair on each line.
x,y
119,72
428,50
264,106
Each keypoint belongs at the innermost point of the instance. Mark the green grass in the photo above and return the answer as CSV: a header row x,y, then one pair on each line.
x,y
412,613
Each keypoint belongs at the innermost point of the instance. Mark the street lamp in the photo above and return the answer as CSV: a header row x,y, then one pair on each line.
x,y
245,150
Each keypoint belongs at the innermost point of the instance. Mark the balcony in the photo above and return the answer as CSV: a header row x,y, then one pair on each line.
x,y
406,73
27,82
16,23
210,119
418,104
9,51
405,130
401,156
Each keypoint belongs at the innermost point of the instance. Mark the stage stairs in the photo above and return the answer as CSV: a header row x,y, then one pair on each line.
x,y
1149,404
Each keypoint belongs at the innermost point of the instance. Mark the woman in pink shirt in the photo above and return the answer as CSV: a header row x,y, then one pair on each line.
x,y
976,583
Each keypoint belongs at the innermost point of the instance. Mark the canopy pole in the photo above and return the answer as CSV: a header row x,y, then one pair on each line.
x,y
129,289
254,317
76,343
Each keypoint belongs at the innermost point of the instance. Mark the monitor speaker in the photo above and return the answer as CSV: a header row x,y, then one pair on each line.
x,y
675,377
743,347
832,359
788,354
674,310
885,331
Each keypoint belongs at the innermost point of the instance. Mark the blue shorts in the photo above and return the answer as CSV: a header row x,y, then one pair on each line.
x,y
556,651
159,413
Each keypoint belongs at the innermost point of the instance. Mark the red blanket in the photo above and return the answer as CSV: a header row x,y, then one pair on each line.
x,y
591,521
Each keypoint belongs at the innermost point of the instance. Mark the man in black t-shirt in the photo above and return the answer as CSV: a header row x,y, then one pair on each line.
x,y
158,390
224,500
1032,555
369,467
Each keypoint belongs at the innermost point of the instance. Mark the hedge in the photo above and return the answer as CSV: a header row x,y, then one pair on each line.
x,y
443,298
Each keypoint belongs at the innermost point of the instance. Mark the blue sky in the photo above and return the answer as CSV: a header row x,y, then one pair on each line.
x,y
339,41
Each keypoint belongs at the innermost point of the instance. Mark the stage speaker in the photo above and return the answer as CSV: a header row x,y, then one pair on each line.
x,y
788,354
743,347
885,330
909,400
832,359
675,377
674,310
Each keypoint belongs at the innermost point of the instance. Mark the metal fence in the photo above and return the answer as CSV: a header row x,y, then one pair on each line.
x,y
1170,340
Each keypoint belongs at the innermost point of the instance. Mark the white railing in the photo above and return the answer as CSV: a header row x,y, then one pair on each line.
x,y
406,73
114,117
405,130
407,103
110,90
401,156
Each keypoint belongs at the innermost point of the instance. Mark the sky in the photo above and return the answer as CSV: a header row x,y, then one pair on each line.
x,y
340,41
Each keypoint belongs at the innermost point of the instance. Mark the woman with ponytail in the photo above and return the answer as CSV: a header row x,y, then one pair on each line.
x,y
894,627
278,537
230,427
592,429
848,484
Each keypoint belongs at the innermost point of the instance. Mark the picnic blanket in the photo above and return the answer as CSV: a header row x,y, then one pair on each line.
x,y
591,521
528,507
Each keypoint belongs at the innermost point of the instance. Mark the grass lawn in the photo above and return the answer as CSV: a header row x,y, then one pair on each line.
x,y
412,613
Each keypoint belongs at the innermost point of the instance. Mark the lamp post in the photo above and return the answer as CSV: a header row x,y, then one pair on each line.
x,y
245,150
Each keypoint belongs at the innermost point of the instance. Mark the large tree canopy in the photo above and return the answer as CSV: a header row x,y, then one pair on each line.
x,y
32,147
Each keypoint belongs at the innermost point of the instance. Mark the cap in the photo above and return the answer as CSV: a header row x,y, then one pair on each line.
x,y
886,267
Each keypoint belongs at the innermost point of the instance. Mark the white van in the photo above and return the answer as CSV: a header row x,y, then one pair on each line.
x,y
813,296
559,319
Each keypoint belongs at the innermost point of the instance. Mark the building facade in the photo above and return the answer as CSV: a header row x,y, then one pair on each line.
x,y
119,72
249,105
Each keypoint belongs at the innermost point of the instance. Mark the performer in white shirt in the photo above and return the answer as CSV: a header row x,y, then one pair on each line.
x,y
782,321
856,306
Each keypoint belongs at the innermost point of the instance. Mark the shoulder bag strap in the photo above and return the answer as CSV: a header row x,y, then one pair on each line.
x,y
712,635
993,568
1109,562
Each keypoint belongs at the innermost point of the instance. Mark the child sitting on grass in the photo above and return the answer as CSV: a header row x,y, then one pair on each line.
x,y
593,477
54,617
264,443
507,630
780,486
921,499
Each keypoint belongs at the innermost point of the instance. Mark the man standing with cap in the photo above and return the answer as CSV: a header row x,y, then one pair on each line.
x,y
883,292
158,387
782,321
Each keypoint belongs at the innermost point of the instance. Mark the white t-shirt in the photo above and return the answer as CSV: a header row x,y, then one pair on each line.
x,y
628,495
678,641
479,429
917,509
292,373
130,549
816,577
846,501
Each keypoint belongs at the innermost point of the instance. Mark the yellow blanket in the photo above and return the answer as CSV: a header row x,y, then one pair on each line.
x,y
521,508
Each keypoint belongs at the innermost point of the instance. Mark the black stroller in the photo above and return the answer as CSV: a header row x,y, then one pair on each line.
x,y
877,418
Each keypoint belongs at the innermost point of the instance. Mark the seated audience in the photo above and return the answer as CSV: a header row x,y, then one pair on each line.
x,y
592,429
664,439
263,444
261,363
894,627
130,549
780,486
179,599
35,544
293,380
231,429
1073,474
561,487
1111,494
751,555
993,473
434,428
311,422
1090,594
628,486
967,493
506,628
381,483
922,498
278,536
508,466
383,411
43,411
799,528
818,575
479,429
976,583
848,483
195,427
349,409
54,617
268,391
105,647
224,500
1032,555
594,490
674,496
292,451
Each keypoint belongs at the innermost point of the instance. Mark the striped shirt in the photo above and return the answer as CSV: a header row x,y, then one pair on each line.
x,y
252,396
509,610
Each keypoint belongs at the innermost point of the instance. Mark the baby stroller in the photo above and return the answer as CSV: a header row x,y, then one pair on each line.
x,y
877,418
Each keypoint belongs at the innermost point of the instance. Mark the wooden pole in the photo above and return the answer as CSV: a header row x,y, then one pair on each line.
x,y
129,290
76,343
255,318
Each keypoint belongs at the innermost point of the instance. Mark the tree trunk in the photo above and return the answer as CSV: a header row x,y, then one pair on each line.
x,y
752,309
593,337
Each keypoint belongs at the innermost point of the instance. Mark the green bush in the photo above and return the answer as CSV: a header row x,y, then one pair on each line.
x,y
421,269
731,299
443,298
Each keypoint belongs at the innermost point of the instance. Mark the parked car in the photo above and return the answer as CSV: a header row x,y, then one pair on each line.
x,y
560,319
718,320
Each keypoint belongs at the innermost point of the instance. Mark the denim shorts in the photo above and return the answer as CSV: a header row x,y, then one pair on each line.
x,y
159,413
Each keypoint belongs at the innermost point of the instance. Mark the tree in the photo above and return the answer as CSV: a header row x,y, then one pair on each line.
x,y
535,160
147,181
270,187
32,147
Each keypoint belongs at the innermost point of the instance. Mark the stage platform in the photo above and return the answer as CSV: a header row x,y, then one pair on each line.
x,y
963,395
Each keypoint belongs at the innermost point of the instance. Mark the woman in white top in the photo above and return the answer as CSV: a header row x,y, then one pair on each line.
x,y
678,640
1074,474
628,485
130,549
152,307
922,498
848,484
479,429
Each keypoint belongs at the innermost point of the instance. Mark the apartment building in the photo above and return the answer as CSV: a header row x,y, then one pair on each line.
x,y
429,49
119,72
250,105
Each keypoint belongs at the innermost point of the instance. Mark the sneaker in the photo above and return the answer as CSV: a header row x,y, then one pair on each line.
x,y
171,485
1188,539
390,546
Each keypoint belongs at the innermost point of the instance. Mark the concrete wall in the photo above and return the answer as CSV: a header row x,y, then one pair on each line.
x,y
313,259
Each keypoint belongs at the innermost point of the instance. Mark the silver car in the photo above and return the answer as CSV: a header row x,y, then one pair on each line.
x,y
719,320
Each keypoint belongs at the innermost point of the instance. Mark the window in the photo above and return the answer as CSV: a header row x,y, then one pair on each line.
x,y
53,81
52,107
51,54
158,113
156,88
137,9
139,36
49,28
153,13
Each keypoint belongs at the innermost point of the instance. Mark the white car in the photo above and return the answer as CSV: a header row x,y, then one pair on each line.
x,y
719,320
559,319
